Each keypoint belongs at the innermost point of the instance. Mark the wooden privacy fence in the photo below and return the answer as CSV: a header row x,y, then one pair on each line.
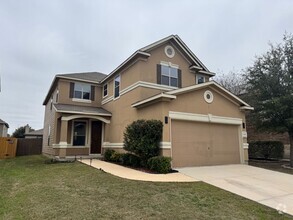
x,y
29,146
7,147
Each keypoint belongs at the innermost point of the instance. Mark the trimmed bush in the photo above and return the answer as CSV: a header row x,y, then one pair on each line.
x,y
266,149
129,159
142,137
108,153
115,157
160,164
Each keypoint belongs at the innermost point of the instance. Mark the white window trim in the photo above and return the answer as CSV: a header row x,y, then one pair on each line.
x,y
86,133
114,98
208,100
81,100
200,75
173,51
165,63
169,64
140,84
107,84
209,118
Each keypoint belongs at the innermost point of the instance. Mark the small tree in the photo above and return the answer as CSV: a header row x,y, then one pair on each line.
x,y
19,132
232,81
270,89
142,137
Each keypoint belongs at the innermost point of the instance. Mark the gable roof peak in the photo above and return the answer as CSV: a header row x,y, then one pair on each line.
x,y
177,41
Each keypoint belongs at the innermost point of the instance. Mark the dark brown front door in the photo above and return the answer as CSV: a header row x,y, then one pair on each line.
x,y
96,137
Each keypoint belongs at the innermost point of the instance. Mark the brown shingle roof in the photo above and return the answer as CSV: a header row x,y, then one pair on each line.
x,y
90,76
87,110
35,133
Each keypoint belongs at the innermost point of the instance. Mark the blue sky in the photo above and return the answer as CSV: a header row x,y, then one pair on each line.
x,y
42,38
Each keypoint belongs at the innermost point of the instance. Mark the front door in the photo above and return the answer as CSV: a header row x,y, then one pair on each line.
x,y
96,137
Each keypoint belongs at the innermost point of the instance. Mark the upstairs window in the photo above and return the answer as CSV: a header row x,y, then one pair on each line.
x,y
117,86
82,91
169,76
200,79
105,90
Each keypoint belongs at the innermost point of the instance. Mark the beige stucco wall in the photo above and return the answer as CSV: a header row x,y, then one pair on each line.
x,y
146,71
123,114
49,121
76,151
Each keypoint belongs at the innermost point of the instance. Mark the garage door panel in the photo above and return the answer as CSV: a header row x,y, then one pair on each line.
x,y
187,152
202,144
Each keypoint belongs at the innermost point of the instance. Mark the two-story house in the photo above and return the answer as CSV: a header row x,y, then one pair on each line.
x,y
204,124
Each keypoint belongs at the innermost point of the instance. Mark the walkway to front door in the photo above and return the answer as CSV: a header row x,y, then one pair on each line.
x,y
270,188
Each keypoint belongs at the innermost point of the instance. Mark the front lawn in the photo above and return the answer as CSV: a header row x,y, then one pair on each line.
x,y
31,189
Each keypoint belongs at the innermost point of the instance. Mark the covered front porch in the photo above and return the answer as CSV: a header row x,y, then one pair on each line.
x,y
80,133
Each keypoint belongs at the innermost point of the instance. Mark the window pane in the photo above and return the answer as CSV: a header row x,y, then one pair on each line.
x,y
165,70
117,79
77,94
77,87
79,141
116,92
86,95
79,128
174,82
173,72
105,89
117,83
165,80
79,133
200,79
86,88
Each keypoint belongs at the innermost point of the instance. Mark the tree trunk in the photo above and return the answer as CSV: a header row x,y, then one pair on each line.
x,y
291,147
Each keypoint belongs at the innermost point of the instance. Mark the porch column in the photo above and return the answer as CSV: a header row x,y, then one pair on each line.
x,y
63,131
63,138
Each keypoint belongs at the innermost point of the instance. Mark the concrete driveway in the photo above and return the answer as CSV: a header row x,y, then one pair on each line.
x,y
270,188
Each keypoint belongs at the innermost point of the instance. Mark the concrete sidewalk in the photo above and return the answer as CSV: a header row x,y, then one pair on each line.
x,y
132,174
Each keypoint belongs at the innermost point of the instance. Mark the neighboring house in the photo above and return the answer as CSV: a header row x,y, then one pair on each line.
x,y
204,124
34,134
3,128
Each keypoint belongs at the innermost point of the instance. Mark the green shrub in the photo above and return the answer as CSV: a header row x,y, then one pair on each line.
x,y
142,137
129,159
160,164
115,157
266,149
108,153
